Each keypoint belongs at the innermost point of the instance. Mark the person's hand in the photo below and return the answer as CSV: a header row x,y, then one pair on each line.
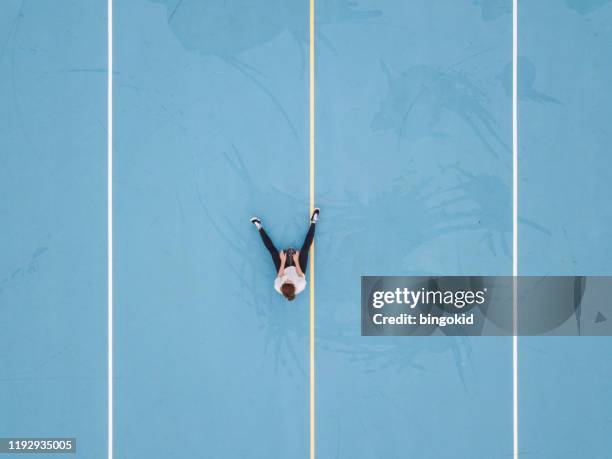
x,y
283,256
296,257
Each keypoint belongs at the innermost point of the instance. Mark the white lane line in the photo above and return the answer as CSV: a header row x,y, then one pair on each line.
x,y
515,228
311,185
109,213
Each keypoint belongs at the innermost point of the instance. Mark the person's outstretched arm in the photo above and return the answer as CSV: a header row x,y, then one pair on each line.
x,y
283,258
296,261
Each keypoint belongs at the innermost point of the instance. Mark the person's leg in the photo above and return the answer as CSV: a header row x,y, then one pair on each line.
x,y
270,246
303,257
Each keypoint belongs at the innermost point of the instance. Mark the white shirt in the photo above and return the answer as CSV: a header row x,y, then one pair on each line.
x,y
292,276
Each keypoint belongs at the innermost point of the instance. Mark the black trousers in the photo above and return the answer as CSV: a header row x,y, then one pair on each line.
x,y
302,258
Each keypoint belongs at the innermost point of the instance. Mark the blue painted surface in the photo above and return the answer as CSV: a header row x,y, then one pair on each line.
x,y
565,172
53,214
413,175
210,126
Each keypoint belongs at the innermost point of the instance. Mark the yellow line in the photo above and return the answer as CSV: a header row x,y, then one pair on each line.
x,y
311,110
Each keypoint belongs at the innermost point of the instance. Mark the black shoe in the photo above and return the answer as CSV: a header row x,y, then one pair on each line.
x,y
315,215
256,221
